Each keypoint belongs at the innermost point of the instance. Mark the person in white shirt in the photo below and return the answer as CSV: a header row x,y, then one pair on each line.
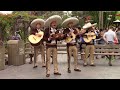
x,y
109,36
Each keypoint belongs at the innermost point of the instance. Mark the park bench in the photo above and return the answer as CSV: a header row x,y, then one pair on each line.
x,y
29,50
60,47
106,50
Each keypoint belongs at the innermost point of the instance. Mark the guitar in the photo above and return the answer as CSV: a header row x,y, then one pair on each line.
x,y
35,39
88,37
71,36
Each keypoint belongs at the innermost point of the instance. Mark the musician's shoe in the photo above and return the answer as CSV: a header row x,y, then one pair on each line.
x,y
72,55
30,62
47,75
85,64
52,62
35,66
43,65
51,56
92,65
69,71
77,70
57,73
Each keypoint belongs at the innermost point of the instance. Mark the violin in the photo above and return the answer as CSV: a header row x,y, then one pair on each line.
x,y
57,36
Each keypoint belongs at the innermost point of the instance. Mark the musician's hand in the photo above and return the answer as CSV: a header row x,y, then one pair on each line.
x,y
70,33
38,35
62,35
50,38
57,36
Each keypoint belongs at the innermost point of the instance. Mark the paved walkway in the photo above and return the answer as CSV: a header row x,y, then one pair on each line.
x,y
101,71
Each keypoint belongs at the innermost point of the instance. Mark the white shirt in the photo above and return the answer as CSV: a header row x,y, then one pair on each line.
x,y
38,30
71,30
109,35
53,32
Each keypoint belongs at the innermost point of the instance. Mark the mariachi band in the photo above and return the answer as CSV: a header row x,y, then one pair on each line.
x,y
48,32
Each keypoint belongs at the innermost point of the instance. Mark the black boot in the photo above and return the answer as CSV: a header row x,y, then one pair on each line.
x,y
69,71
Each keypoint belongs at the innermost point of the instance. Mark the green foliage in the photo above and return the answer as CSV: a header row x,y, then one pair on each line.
x,y
5,25
107,22
95,16
8,21
117,17
25,14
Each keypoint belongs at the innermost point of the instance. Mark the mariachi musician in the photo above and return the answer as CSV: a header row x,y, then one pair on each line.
x,y
37,34
51,37
70,38
89,36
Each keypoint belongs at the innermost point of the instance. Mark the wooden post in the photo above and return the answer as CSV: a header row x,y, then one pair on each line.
x,y
2,55
101,19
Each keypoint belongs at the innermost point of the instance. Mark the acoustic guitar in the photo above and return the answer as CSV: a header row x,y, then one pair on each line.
x,y
88,37
71,36
35,39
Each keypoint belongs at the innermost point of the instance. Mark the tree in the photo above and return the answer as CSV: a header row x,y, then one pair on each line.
x,y
46,14
5,25
109,17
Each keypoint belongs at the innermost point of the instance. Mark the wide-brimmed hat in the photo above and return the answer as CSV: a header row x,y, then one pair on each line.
x,y
73,20
36,21
117,21
17,31
54,18
89,25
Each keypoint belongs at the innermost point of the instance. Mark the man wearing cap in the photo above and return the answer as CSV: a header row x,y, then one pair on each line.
x,y
51,43
71,46
36,25
88,27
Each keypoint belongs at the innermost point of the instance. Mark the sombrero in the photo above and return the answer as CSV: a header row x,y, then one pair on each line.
x,y
117,21
55,18
36,21
17,31
88,25
74,20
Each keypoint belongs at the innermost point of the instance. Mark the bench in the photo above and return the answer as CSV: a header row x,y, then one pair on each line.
x,y
106,50
29,50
